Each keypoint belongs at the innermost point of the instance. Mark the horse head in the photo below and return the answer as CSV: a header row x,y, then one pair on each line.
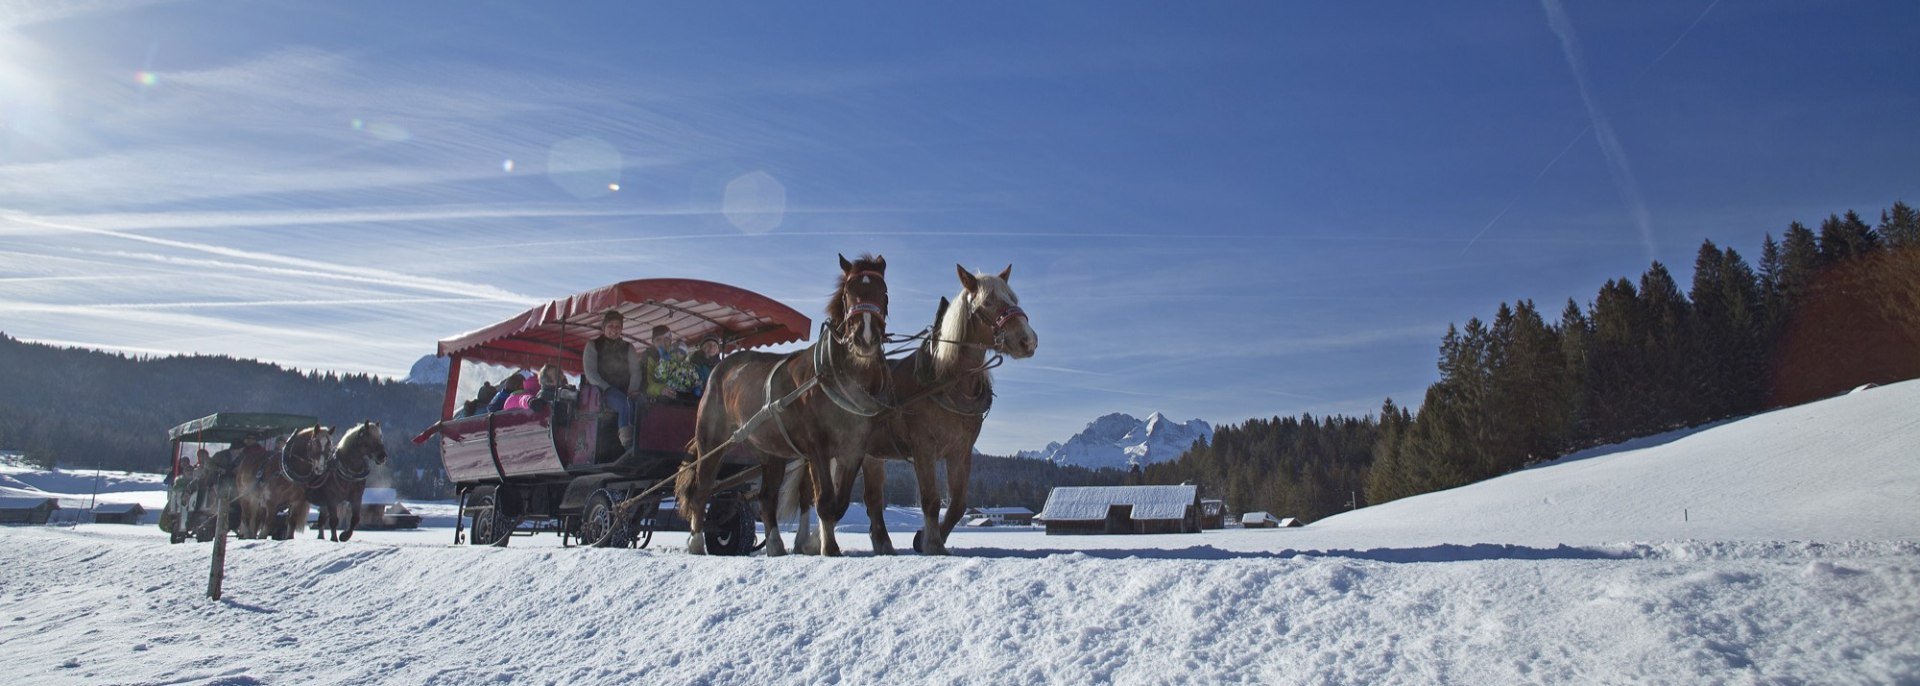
x,y
992,314
364,441
857,315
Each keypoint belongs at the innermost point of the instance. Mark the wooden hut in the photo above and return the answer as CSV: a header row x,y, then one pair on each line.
x,y
1122,510
1213,513
27,509
118,513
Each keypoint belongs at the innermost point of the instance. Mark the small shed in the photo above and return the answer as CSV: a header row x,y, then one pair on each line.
x,y
1213,514
27,509
1002,516
1122,510
118,513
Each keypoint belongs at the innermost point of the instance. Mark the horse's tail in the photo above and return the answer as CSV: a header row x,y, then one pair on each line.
x,y
793,489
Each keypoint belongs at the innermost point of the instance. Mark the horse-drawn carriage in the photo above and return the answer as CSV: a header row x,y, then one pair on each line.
x,y
197,485
558,465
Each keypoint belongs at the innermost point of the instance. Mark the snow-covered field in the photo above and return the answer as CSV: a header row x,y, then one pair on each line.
x,y
1779,549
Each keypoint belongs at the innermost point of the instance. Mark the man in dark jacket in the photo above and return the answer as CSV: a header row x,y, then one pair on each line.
x,y
610,363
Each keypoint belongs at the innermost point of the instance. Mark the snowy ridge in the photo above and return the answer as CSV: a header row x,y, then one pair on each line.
x,y
1120,441
1572,572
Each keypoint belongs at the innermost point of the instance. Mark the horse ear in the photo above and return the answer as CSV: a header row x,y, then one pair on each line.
x,y
881,262
845,266
1007,274
967,279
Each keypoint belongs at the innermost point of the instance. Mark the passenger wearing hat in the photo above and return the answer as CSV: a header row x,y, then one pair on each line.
x,y
610,363
656,355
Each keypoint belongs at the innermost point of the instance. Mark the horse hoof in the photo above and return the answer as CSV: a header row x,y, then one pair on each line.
x,y
920,541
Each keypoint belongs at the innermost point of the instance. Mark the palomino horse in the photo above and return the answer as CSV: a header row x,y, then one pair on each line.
x,y
271,481
833,389
944,392
345,481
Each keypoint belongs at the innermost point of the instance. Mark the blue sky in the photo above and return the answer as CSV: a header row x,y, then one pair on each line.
x,y
1216,210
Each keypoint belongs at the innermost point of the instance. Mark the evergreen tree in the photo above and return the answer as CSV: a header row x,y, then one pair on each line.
x,y
1899,226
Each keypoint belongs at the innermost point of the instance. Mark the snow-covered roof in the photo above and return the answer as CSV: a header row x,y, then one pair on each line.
x,y
1004,511
1255,518
1086,503
379,496
24,502
117,508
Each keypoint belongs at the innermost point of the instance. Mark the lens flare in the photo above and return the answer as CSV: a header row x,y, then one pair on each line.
x,y
755,202
507,166
147,79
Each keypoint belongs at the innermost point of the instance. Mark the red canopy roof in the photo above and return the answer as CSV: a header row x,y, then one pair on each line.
x,y
693,309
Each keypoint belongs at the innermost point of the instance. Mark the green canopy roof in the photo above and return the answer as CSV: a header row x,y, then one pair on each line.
x,y
230,427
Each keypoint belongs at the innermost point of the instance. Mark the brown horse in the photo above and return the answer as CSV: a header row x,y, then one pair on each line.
x,y
832,391
944,391
269,482
339,494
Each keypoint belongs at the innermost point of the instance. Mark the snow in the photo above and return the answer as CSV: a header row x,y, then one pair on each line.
x,y
75,489
1119,441
1091,503
1782,548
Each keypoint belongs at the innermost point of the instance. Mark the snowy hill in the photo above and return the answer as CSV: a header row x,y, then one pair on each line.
x,y
430,370
1779,548
1119,441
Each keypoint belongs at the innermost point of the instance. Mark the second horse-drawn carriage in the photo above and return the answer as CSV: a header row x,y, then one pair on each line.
x,y
205,457
558,464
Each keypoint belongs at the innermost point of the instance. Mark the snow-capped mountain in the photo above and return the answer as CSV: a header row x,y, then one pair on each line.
x,y
1120,441
430,370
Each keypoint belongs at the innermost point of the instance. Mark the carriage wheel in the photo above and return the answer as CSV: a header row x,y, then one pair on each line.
x,y
729,529
491,524
601,526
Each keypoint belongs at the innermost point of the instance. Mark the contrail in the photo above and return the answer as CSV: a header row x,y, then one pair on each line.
x,y
313,267
1616,155
1682,36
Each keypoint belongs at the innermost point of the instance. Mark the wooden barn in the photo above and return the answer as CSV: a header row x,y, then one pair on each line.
x,y
118,513
1122,510
27,510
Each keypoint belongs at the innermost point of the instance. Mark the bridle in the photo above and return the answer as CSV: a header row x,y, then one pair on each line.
x,y
866,311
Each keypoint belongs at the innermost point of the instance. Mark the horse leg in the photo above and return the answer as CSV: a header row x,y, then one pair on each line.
x,y
831,496
932,540
297,516
959,470
772,487
320,525
874,470
353,519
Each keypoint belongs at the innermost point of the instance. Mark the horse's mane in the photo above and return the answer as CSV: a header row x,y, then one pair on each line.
x,y
836,306
953,324
370,430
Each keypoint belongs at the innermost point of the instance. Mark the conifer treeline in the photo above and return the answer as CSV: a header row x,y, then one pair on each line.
x,y
86,408
1823,312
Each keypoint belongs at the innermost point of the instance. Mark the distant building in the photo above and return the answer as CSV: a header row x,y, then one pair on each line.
x,y
118,513
1213,514
1000,516
27,510
1262,520
1122,510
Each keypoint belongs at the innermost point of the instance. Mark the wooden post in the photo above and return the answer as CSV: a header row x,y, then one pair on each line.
x,y
216,575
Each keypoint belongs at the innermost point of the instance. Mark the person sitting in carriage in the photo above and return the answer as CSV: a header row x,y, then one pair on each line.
x,y
704,360
514,383
610,364
669,372
523,398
